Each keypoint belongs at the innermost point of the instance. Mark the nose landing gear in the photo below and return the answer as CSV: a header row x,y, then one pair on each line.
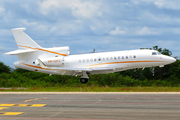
x,y
84,80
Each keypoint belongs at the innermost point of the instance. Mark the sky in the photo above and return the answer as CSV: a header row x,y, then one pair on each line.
x,y
84,25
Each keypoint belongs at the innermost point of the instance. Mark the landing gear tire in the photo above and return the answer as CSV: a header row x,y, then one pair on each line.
x,y
84,80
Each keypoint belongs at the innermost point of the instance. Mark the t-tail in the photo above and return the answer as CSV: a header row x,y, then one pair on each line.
x,y
23,41
29,49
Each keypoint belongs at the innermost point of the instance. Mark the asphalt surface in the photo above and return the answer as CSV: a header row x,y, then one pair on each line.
x,y
89,106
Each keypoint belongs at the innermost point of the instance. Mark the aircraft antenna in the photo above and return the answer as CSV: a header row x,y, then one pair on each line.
x,y
93,51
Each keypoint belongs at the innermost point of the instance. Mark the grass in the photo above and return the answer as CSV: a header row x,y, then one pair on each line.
x,y
93,89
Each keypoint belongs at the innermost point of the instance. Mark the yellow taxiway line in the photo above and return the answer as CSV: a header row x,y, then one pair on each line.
x,y
10,113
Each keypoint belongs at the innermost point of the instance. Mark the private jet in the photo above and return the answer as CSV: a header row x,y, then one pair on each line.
x,y
57,60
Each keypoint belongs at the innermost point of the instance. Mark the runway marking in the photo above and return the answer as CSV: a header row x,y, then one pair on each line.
x,y
28,100
7,104
34,99
37,105
1,108
23,105
11,113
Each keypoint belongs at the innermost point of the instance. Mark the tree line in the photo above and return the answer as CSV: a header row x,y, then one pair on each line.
x,y
167,76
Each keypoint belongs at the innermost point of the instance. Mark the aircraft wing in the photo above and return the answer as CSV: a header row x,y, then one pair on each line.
x,y
81,69
72,69
100,68
19,52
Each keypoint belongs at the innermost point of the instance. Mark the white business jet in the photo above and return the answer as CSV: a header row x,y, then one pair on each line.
x,y
57,60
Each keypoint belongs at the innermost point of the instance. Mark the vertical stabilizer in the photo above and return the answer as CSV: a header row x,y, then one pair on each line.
x,y
23,40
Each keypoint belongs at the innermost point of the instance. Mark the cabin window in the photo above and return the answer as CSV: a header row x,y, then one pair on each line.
x,y
115,58
126,57
103,59
95,59
107,58
122,57
119,57
91,60
134,56
83,60
99,59
79,61
130,57
87,60
154,53
159,53
111,58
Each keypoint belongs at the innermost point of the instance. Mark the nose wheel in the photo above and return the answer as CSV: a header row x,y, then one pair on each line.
x,y
84,80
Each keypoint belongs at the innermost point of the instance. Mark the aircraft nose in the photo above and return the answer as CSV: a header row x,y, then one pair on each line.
x,y
168,59
171,60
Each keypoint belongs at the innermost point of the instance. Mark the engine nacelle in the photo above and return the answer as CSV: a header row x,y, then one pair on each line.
x,y
62,50
54,52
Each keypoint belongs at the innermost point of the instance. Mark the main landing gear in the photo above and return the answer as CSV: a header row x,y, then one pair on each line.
x,y
84,78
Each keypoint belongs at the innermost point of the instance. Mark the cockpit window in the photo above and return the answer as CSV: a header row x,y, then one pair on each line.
x,y
159,53
154,53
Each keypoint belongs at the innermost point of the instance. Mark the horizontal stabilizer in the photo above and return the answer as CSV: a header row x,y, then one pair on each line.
x,y
16,52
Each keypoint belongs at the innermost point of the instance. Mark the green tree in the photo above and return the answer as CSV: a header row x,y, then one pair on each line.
x,y
4,68
163,51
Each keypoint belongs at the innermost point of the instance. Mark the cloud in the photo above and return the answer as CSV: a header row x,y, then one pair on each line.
x,y
85,9
145,31
4,32
2,9
168,4
162,4
117,31
83,25
25,22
